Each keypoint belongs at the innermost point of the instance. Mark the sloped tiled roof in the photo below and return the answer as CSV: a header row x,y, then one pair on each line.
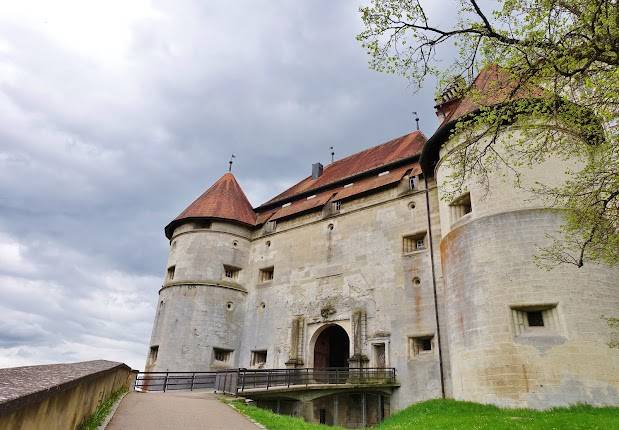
x,y
492,86
224,200
400,148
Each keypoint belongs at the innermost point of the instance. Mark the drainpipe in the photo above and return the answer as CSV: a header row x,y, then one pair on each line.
x,y
438,326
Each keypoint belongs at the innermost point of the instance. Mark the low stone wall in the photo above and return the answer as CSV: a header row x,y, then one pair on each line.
x,y
57,396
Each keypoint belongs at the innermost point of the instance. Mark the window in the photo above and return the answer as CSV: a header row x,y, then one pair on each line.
x,y
202,224
266,274
420,345
154,351
414,242
460,207
171,271
379,355
535,319
258,359
413,183
271,226
231,272
336,206
222,355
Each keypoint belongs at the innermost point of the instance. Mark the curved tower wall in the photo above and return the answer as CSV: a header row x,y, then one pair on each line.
x,y
200,309
492,285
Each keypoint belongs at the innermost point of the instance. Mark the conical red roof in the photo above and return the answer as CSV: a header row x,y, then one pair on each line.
x,y
224,200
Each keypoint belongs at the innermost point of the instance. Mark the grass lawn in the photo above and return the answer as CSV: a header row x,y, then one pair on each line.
x,y
456,415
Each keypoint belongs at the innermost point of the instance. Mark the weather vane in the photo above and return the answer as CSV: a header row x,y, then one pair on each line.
x,y
416,119
230,163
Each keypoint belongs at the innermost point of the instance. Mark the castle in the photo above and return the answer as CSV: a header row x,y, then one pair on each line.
x,y
365,264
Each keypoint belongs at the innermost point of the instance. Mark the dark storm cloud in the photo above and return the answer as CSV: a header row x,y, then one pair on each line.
x,y
101,145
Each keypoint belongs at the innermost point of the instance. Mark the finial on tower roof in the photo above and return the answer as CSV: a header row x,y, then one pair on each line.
x,y
416,119
332,153
230,163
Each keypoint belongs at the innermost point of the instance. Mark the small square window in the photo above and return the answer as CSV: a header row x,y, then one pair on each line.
x,y
222,355
540,319
271,226
154,351
266,274
171,271
415,242
420,345
258,358
535,319
413,183
231,272
337,206
460,207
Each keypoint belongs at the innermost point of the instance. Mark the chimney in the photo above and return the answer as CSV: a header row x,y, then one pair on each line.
x,y
316,170
453,92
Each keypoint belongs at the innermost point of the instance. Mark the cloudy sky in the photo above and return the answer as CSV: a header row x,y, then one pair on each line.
x,y
115,115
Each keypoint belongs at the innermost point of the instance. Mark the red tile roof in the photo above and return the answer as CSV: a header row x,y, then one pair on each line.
x,y
492,86
400,148
224,200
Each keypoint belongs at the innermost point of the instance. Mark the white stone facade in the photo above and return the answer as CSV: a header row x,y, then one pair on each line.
x,y
327,269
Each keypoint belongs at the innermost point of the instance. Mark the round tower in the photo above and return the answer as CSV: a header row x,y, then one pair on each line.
x,y
201,304
517,335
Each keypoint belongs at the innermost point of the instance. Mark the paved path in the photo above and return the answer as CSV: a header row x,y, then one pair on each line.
x,y
179,410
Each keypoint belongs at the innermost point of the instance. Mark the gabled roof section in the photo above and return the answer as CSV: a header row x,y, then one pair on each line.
x,y
223,200
401,148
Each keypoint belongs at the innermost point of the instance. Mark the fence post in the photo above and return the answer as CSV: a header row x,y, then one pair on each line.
x,y
236,385
165,382
306,377
243,383
193,377
268,379
337,379
288,376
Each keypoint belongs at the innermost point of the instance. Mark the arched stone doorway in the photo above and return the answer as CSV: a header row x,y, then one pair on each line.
x,y
332,348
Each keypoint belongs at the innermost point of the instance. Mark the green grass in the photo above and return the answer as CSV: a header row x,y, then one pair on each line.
x,y
457,415
273,421
102,411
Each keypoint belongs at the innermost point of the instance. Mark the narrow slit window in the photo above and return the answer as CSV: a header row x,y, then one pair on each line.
x,y
154,351
413,183
171,271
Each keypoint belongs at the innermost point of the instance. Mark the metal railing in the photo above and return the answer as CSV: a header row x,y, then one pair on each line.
x,y
233,381
164,381
268,378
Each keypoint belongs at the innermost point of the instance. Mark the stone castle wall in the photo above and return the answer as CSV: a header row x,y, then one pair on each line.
x,y
491,282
